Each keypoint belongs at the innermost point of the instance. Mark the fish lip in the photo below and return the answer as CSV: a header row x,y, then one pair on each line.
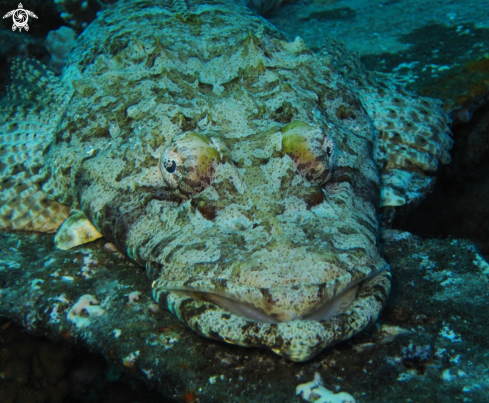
x,y
237,298
298,340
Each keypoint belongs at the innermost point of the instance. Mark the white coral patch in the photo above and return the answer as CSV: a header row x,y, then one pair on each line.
x,y
448,333
35,282
54,315
404,377
133,297
166,339
62,298
85,309
131,359
447,377
314,392
480,262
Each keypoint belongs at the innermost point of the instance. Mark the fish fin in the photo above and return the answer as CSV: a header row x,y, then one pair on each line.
x,y
76,230
29,115
181,9
413,137
412,133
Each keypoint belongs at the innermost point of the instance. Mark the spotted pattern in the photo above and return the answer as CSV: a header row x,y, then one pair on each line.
x,y
239,168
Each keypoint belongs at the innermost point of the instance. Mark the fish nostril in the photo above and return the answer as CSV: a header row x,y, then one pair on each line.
x,y
314,197
207,210
205,207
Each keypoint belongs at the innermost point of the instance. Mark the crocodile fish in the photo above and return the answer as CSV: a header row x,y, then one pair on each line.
x,y
243,171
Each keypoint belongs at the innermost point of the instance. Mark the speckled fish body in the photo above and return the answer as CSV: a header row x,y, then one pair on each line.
x,y
236,166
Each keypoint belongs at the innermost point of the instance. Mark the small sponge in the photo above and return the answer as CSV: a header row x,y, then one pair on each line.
x,y
59,44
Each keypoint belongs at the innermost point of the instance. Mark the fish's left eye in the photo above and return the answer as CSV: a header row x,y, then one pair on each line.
x,y
188,164
314,152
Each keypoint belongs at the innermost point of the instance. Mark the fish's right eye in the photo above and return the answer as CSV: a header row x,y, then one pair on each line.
x,y
170,166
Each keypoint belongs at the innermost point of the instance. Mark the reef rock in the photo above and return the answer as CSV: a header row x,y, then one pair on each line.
x,y
429,343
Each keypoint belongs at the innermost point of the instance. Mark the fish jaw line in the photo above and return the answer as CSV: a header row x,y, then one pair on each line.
x,y
296,340
259,265
274,305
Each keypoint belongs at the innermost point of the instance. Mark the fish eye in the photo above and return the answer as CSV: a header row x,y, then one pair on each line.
x,y
311,149
170,166
329,151
188,163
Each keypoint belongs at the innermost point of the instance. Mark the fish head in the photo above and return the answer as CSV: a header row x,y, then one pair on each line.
x,y
244,181
277,227
267,225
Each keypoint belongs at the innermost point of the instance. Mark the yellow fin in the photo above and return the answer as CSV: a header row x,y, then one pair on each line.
x,y
76,230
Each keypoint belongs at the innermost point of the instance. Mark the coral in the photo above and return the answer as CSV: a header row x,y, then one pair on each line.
x,y
85,309
314,392
417,357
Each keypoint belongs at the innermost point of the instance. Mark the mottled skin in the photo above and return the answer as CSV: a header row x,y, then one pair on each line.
x,y
275,205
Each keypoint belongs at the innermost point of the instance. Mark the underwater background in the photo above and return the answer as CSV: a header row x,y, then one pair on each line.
x,y
430,343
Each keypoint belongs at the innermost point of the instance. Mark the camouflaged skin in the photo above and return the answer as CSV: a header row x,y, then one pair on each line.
x,y
229,162
29,114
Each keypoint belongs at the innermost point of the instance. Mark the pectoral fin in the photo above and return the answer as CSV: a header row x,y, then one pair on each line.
x,y
76,230
29,115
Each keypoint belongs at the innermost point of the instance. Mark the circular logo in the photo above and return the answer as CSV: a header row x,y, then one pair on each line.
x,y
20,17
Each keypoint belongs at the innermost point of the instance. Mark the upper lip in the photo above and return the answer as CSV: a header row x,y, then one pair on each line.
x,y
258,305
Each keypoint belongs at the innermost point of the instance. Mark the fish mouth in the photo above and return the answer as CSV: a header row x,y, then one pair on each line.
x,y
296,340
257,305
